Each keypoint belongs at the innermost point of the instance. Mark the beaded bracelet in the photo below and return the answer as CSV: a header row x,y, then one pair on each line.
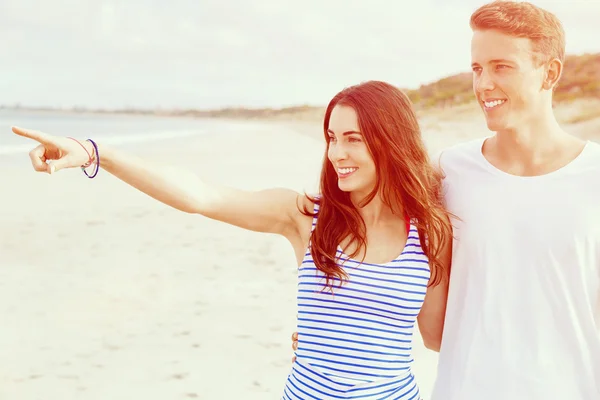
x,y
97,161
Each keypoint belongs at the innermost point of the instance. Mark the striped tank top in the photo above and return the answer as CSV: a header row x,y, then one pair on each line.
x,y
356,342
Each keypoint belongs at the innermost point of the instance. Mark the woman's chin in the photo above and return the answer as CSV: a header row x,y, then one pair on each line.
x,y
346,187
355,191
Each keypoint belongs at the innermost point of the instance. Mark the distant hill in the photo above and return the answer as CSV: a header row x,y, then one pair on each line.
x,y
580,79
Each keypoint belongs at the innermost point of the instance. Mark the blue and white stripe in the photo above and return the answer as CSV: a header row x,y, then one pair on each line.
x,y
356,342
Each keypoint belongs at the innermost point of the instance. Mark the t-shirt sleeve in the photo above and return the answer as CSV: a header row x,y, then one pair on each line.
x,y
437,162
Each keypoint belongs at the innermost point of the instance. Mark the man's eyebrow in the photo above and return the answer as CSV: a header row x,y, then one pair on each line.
x,y
501,61
494,61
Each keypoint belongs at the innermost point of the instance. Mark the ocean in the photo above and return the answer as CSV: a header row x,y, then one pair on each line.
x,y
111,129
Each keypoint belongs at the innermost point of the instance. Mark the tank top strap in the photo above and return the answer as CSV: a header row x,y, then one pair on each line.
x,y
314,220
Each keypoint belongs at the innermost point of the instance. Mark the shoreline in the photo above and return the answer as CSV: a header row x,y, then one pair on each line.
x,y
564,108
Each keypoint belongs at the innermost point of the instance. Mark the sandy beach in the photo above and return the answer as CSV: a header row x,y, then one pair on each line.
x,y
108,294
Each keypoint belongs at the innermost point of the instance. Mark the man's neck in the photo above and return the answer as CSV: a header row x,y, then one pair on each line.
x,y
530,143
533,149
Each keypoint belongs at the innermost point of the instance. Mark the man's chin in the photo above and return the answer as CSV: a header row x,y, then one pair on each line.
x,y
495,126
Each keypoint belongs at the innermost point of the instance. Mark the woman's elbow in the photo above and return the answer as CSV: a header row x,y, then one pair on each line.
x,y
432,342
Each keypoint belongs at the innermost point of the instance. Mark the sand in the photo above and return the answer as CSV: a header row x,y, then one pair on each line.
x,y
108,294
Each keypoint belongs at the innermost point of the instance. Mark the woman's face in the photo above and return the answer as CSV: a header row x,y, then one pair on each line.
x,y
348,153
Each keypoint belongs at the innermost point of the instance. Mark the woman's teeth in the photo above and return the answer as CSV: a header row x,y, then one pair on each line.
x,y
346,171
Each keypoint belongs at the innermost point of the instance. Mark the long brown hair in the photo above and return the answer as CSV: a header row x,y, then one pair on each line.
x,y
406,180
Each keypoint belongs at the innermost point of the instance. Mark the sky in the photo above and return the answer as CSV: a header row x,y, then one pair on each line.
x,y
209,54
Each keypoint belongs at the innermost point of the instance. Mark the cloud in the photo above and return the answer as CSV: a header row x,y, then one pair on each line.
x,y
210,53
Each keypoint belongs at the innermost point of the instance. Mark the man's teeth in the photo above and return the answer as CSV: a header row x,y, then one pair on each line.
x,y
491,104
345,171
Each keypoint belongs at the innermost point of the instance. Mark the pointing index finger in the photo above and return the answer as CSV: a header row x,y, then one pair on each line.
x,y
38,136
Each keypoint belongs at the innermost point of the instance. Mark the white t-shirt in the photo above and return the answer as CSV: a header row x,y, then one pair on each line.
x,y
523,315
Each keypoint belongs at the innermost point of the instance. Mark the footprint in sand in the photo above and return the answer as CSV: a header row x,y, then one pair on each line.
x,y
139,215
269,345
94,223
179,377
25,231
68,377
269,262
243,336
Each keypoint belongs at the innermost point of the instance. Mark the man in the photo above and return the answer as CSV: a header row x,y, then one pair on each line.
x,y
523,313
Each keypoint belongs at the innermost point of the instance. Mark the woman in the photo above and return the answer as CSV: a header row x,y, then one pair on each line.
x,y
372,248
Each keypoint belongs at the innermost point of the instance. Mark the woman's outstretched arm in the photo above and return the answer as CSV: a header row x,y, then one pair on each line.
x,y
271,210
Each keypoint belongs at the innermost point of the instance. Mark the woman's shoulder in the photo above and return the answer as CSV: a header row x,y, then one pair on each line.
x,y
309,204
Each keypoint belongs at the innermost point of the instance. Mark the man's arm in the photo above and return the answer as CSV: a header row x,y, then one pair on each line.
x,y
433,312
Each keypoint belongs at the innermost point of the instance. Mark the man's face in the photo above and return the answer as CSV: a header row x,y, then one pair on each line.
x,y
507,81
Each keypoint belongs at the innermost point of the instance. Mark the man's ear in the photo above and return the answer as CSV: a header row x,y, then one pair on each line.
x,y
553,73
